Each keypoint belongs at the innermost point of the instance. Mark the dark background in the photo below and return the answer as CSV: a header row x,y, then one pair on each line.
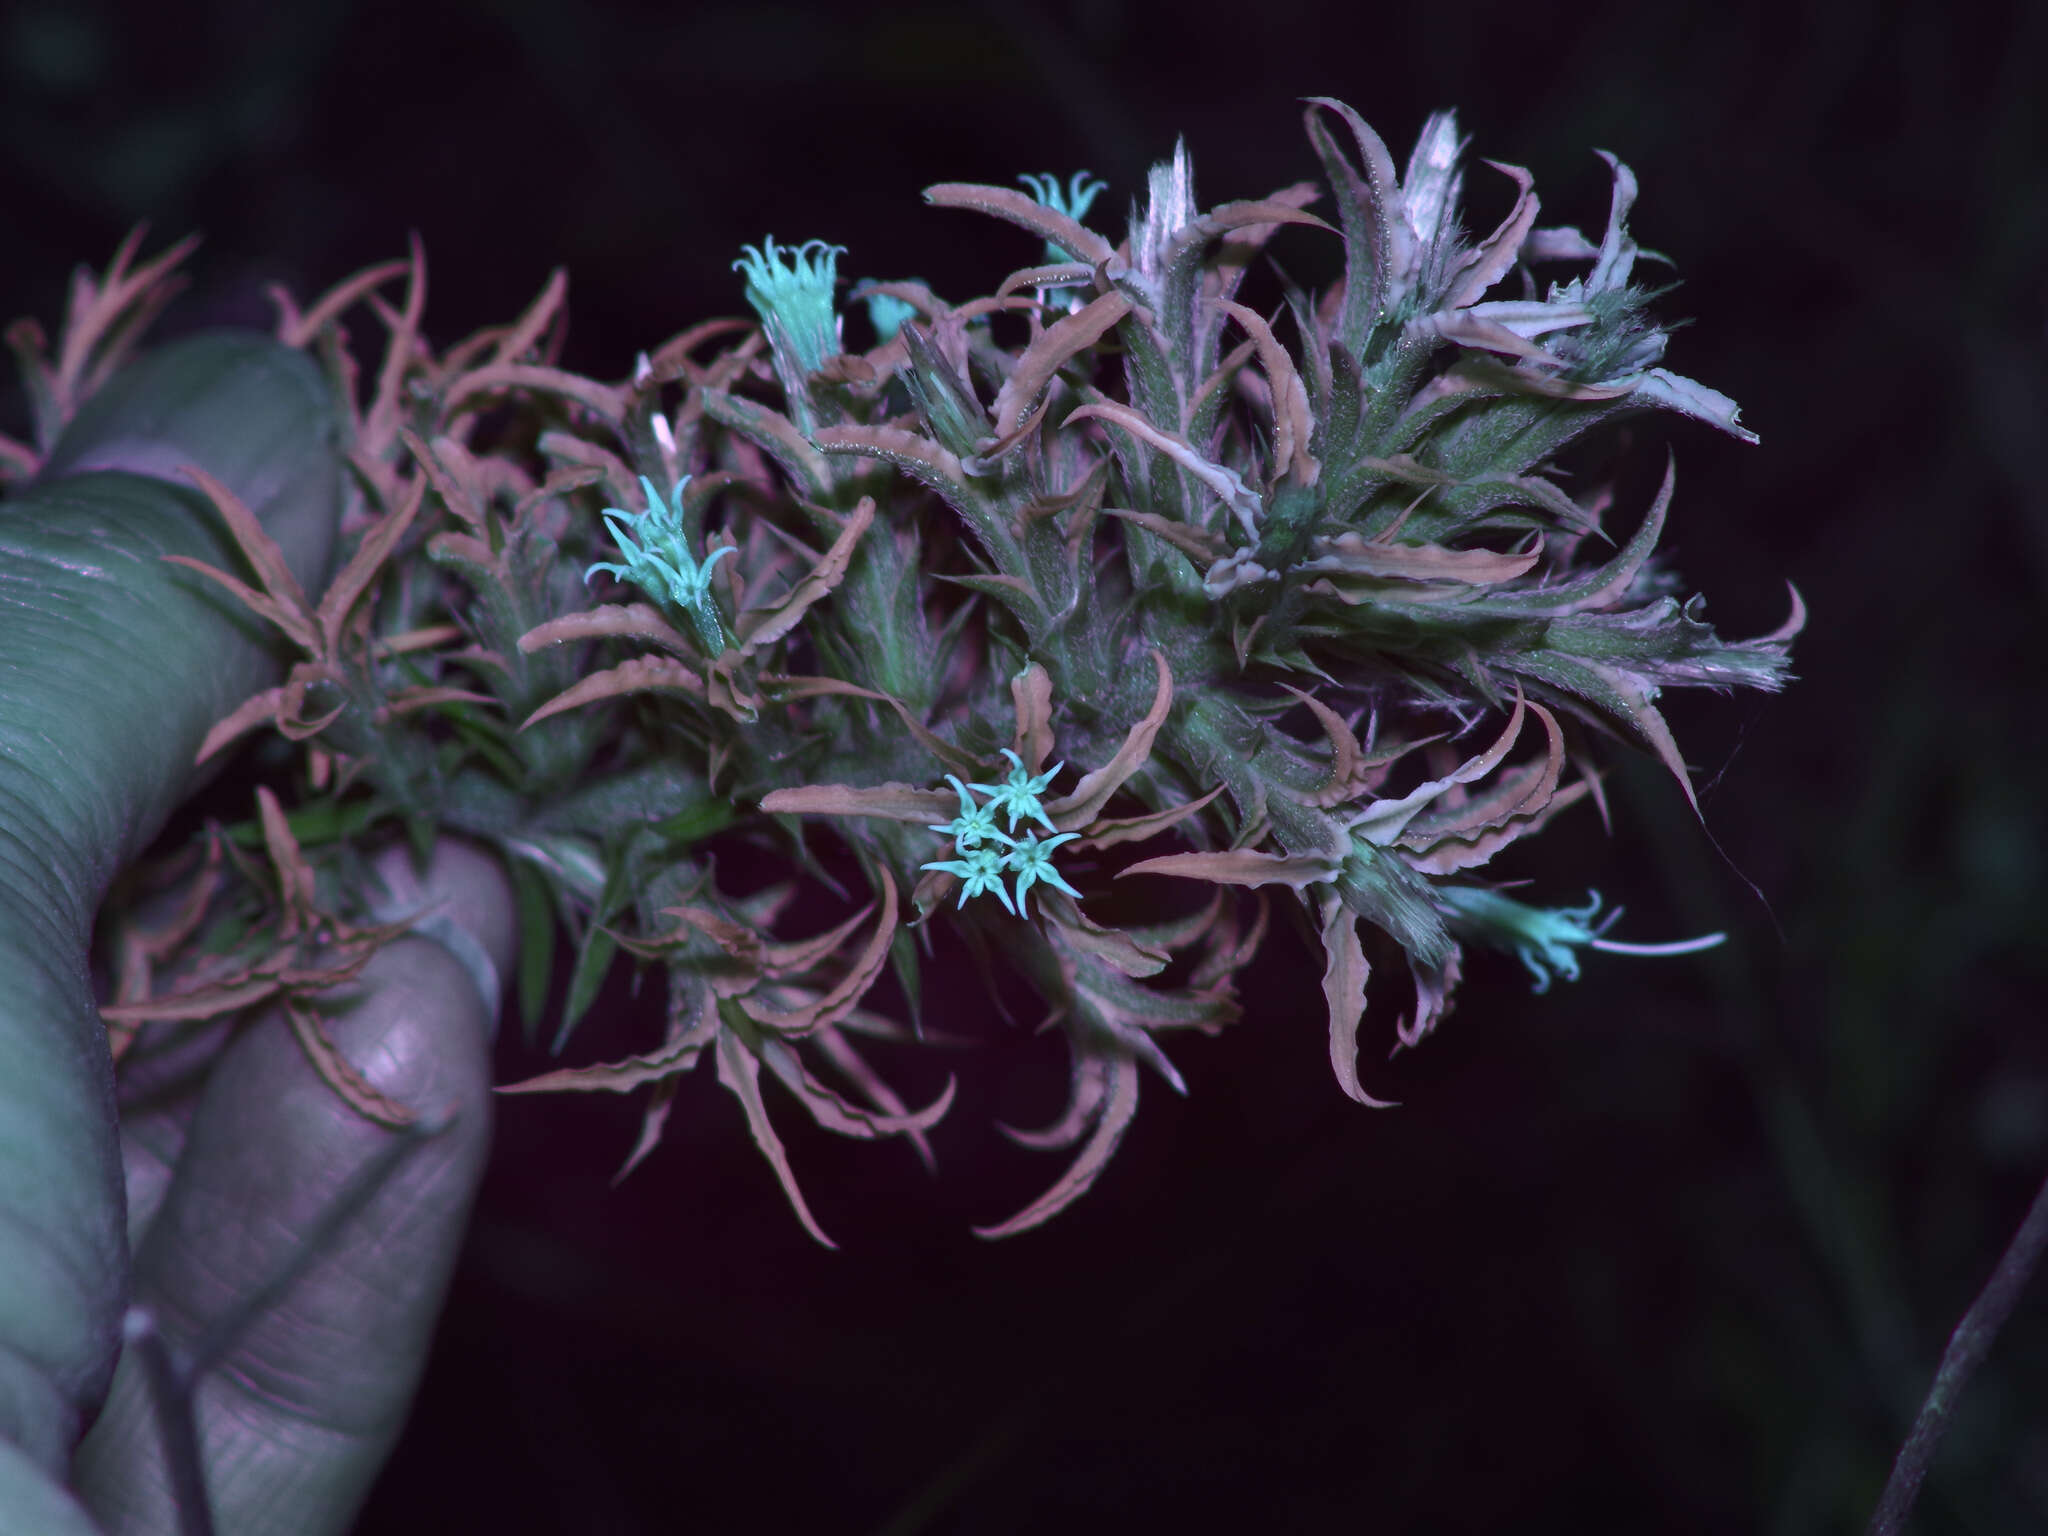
x,y
1674,1248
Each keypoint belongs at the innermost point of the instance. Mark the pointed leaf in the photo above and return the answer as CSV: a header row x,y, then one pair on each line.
x,y
740,1072
640,620
1117,1110
363,566
1050,351
1489,263
838,1050
642,674
841,999
756,628
1384,820
675,1057
294,614
1031,697
296,330
342,1075
1132,829
1346,757
893,801
1048,224
1072,812
1240,866
1087,1087
1293,424
294,874
1226,483
1344,974
1351,554
838,1114
927,462
606,402
777,435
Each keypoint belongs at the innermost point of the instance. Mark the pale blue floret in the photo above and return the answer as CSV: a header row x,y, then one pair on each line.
x,y
975,825
886,313
981,869
1018,794
1549,937
659,560
1031,860
791,290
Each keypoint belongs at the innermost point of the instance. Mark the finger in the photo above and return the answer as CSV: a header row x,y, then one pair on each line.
x,y
295,1421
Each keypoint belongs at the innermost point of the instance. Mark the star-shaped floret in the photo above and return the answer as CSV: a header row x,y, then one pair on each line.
x,y
975,825
1030,860
981,870
1017,795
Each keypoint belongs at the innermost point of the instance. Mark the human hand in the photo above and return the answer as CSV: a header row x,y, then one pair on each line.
x,y
293,1249
258,1203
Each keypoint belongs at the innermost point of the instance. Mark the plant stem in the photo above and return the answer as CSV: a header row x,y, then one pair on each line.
x,y
1967,1348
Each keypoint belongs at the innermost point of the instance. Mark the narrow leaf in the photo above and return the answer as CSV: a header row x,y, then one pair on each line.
x,y
593,961
1050,351
342,1075
1292,422
893,801
1344,974
640,675
1072,812
740,1072
1053,227
1118,1108
1240,866
840,1000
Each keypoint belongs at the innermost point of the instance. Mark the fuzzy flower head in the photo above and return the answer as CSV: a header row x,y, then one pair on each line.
x,y
659,561
791,290
1547,938
1017,795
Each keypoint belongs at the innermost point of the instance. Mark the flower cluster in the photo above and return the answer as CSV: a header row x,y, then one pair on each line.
x,y
1294,578
986,855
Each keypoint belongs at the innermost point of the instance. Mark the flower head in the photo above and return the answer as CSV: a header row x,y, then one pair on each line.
x,y
1547,936
659,562
1018,794
794,299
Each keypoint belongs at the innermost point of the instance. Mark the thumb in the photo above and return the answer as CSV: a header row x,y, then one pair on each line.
x,y
295,1420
